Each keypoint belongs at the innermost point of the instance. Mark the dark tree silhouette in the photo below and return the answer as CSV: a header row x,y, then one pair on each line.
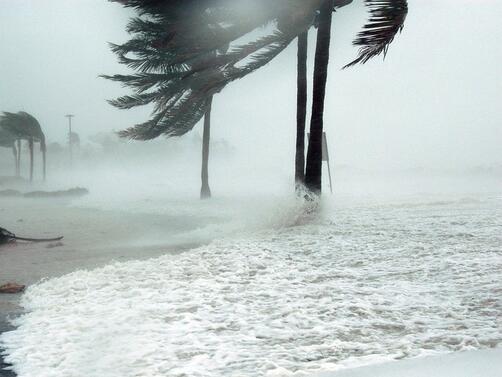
x,y
24,126
181,66
313,171
301,103
181,53
301,110
386,20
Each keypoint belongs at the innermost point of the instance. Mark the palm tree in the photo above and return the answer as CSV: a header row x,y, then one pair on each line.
x,y
301,103
386,20
186,71
177,50
314,155
24,126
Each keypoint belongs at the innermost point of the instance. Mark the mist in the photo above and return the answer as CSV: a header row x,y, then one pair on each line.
x,y
399,258
433,102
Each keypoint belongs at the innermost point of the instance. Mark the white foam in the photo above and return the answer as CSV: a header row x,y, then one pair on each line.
x,y
372,284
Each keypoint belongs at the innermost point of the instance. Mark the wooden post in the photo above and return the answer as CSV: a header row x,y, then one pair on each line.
x,y
325,156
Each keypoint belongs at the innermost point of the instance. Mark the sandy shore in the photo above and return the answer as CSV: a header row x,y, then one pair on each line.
x,y
92,238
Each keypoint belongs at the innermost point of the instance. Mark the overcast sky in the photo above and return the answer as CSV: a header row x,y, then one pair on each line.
x,y
435,100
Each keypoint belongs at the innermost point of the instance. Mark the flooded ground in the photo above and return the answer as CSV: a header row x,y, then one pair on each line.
x,y
366,282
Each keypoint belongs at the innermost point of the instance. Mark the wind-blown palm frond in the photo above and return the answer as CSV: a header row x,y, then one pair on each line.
x,y
386,20
22,125
183,57
186,51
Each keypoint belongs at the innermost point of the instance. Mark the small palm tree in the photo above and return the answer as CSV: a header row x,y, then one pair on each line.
x,y
24,126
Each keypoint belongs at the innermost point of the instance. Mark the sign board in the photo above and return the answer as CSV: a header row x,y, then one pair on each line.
x,y
325,156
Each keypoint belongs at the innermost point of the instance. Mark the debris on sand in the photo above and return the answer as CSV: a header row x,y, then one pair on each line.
x,y
12,288
6,237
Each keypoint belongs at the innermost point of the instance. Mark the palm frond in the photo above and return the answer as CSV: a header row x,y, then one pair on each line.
x,y
386,21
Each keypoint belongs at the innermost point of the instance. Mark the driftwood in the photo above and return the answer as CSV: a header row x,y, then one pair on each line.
x,y
12,288
6,237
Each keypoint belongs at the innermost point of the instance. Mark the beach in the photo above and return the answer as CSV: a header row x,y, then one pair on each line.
x,y
274,293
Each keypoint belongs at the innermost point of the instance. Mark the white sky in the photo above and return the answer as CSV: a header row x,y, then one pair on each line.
x,y
435,100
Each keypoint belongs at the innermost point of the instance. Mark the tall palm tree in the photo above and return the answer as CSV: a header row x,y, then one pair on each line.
x,y
386,20
24,126
181,67
187,64
314,155
301,102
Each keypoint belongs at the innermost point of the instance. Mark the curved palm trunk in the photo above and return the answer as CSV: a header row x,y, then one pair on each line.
x,y
313,173
205,191
30,144
301,110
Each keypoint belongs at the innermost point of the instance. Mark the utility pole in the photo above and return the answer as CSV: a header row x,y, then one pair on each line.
x,y
69,116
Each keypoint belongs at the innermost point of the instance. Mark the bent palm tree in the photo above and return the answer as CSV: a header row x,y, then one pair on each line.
x,y
182,66
183,56
24,126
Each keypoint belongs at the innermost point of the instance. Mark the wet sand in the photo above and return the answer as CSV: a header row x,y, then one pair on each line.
x,y
92,238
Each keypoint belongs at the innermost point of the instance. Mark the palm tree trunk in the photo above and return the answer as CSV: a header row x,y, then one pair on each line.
x,y
14,152
18,158
44,158
313,173
43,148
30,143
301,110
205,191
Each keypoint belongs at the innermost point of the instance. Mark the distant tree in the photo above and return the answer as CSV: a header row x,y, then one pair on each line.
x,y
24,126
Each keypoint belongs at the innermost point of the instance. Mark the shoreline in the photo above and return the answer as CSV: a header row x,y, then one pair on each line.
x,y
82,253
4,327
93,239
